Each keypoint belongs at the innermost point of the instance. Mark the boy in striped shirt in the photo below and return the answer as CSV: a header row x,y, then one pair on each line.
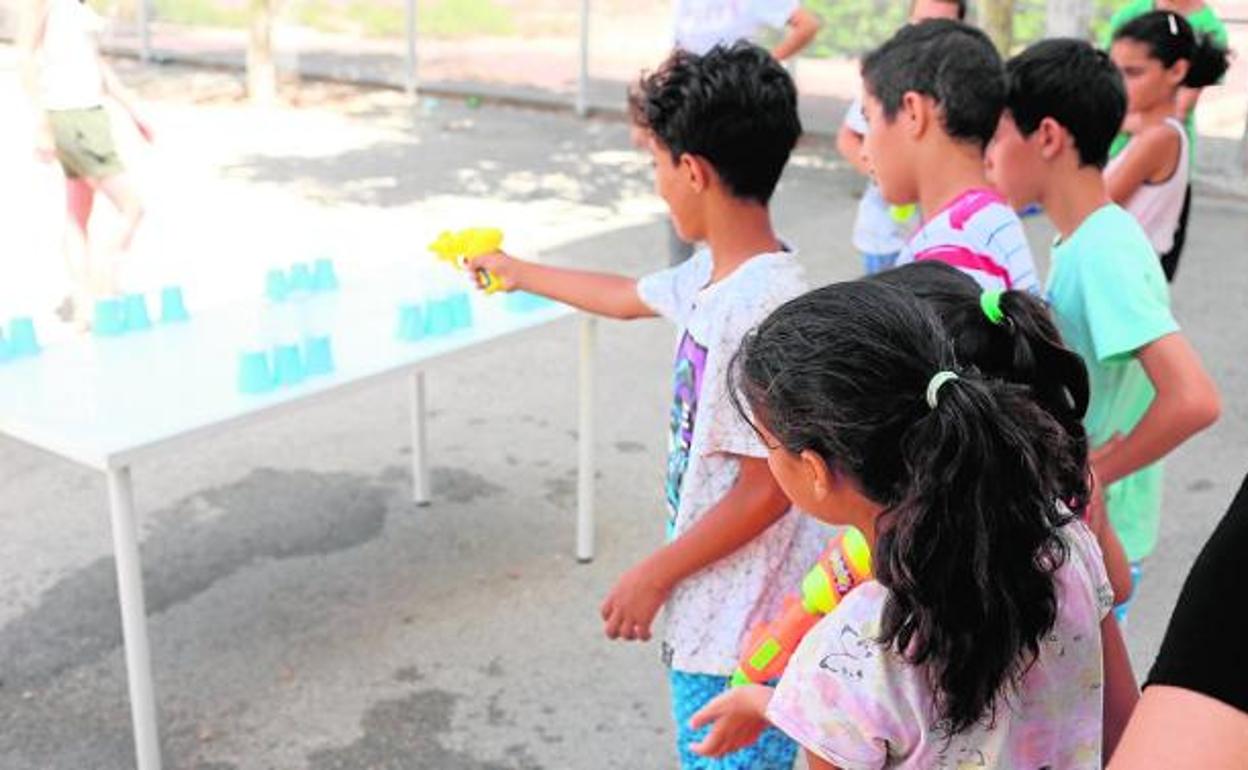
x,y
933,95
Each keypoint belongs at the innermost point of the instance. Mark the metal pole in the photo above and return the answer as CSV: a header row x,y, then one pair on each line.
x,y
409,75
585,444
145,34
582,81
420,442
133,619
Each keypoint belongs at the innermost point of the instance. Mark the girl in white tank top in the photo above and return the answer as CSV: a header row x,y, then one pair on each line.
x,y
1158,53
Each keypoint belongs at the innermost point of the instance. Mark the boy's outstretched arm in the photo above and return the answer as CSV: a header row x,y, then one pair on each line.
x,y
614,296
802,27
1186,402
752,505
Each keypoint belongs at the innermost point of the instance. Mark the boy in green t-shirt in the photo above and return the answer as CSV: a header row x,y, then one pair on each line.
x,y
1149,390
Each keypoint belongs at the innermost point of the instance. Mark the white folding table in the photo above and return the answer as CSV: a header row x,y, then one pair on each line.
x,y
108,403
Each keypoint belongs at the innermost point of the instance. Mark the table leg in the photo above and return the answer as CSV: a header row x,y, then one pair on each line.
x,y
133,619
585,444
420,442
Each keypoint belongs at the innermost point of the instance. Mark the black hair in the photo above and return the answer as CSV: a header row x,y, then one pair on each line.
x,y
1076,85
961,4
954,64
735,106
1024,347
969,536
1170,37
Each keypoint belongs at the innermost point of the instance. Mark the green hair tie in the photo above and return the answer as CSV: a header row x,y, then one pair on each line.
x,y
990,303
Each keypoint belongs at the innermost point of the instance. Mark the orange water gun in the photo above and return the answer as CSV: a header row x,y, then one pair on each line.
x,y
458,248
843,565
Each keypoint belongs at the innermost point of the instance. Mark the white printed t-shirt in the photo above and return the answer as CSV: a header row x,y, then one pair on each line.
x,y
700,25
858,705
708,614
979,234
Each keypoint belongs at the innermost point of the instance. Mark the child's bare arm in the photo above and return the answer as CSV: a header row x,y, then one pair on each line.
x,y
816,762
752,505
802,27
1151,153
1186,402
614,296
1121,691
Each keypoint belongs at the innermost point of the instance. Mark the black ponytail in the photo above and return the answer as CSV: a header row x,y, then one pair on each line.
x,y
1170,37
1024,347
969,539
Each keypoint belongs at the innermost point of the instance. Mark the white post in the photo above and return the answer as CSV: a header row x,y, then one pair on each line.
x,y
409,74
133,619
585,444
582,81
420,442
145,33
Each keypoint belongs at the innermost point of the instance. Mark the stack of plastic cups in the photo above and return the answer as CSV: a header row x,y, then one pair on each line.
x,y
288,365
172,306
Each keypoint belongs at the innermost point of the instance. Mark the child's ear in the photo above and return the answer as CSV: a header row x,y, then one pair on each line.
x,y
916,112
1053,139
1178,72
821,479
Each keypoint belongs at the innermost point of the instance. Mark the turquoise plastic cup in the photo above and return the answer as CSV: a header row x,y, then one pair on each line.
x,y
323,276
411,323
172,308
288,365
276,285
110,318
254,373
22,339
137,318
318,356
301,277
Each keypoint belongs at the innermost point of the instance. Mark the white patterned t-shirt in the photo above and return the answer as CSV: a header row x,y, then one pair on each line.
x,y
857,705
700,25
708,614
979,234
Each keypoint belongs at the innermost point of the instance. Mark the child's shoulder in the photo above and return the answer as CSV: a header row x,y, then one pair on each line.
x,y
764,282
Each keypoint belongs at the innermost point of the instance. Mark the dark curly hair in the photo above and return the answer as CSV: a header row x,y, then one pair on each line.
x,y
735,106
969,537
1025,348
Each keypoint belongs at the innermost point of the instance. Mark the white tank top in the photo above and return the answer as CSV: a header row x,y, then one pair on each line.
x,y
1157,205
70,76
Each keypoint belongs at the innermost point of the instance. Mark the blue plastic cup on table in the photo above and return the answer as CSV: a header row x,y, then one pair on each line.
x,y
301,277
172,308
288,365
254,374
461,310
110,318
276,286
439,317
411,323
323,276
22,339
318,356
137,318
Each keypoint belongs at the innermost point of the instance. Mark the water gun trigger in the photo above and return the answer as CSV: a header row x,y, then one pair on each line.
x,y
458,248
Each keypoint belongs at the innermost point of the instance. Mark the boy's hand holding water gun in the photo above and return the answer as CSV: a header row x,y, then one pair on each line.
x,y
464,249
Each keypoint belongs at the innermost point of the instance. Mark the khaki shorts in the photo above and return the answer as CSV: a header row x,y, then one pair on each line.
x,y
84,143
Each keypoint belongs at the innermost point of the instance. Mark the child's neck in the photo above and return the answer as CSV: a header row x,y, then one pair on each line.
x,y
1073,196
736,231
1157,114
957,168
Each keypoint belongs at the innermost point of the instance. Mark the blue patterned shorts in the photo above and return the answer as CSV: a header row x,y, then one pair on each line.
x,y
773,751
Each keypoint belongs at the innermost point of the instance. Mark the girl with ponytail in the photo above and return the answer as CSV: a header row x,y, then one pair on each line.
x,y
1159,54
1011,336
981,639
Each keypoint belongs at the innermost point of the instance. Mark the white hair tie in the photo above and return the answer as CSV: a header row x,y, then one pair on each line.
x,y
934,385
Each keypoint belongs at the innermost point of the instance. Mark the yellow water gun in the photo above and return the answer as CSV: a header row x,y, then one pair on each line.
x,y
843,565
458,248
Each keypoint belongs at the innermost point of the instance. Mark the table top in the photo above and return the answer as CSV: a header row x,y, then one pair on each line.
x,y
102,401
